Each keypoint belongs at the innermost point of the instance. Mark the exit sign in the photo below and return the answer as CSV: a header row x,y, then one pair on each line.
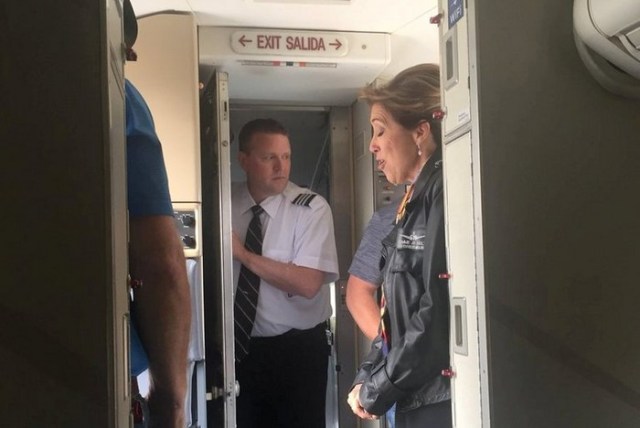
x,y
287,43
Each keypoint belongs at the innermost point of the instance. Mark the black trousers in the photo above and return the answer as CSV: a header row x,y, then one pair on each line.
x,y
436,415
283,381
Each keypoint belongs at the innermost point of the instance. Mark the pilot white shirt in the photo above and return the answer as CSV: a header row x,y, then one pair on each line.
x,y
297,228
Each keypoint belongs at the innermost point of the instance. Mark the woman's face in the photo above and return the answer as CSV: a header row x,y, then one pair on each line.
x,y
394,147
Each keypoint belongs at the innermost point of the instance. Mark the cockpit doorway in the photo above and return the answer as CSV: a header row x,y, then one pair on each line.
x,y
320,138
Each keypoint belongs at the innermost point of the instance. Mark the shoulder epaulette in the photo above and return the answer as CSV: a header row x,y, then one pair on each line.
x,y
303,199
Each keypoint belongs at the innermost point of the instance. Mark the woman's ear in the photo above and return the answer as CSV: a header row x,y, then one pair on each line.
x,y
422,131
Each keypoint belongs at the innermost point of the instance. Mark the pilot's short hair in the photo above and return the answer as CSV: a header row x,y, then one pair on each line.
x,y
259,126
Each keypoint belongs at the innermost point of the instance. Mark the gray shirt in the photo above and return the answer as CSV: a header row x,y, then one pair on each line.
x,y
366,261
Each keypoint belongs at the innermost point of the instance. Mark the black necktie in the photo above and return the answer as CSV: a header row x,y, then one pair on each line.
x,y
246,300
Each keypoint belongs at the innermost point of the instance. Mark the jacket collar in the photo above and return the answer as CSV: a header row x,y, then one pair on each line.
x,y
433,164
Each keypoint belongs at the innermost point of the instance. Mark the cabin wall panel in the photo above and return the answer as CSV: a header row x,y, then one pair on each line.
x,y
559,156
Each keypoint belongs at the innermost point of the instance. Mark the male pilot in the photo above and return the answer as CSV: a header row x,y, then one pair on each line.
x,y
285,255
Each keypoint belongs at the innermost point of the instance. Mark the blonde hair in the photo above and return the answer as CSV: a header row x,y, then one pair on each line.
x,y
410,97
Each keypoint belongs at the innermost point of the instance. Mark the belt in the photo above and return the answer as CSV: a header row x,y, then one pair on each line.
x,y
295,332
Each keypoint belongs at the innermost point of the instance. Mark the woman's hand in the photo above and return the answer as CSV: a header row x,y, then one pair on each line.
x,y
356,406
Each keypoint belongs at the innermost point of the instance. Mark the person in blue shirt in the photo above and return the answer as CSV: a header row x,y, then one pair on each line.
x,y
162,316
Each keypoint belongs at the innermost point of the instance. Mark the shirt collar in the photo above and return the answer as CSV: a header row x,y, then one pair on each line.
x,y
269,205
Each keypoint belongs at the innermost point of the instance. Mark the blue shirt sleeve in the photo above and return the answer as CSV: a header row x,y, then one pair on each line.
x,y
147,185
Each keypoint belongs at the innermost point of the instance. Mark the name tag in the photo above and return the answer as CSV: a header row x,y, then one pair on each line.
x,y
413,241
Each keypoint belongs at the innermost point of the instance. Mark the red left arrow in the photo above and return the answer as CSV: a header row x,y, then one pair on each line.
x,y
337,44
243,40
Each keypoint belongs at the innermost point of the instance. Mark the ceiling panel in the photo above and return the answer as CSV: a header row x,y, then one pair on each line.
x,y
384,16
336,85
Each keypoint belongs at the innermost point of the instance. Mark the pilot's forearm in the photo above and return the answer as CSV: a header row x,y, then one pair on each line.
x,y
290,278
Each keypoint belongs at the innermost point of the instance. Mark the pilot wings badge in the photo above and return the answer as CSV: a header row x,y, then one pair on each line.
x,y
411,242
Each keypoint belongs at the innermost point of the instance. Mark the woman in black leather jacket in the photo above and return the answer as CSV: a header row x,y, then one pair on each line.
x,y
407,358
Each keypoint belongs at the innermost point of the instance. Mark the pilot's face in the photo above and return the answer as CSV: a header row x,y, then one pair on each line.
x,y
394,146
267,164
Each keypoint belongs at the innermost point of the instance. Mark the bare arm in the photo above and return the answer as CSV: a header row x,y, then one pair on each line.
x,y
298,280
163,314
362,303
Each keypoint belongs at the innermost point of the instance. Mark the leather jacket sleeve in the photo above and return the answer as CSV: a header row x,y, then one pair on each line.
x,y
421,316
373,358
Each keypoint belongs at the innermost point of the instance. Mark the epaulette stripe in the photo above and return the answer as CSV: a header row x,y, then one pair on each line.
x,y
303,199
